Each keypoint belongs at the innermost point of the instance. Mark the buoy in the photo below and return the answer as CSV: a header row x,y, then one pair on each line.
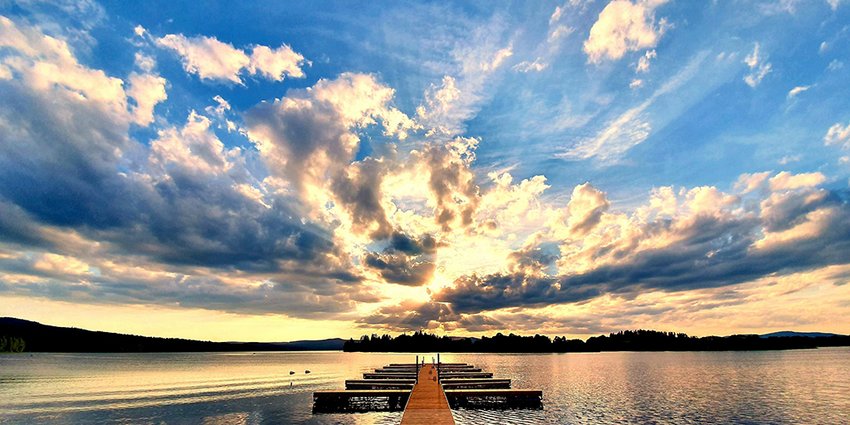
x,y
306,371
292,372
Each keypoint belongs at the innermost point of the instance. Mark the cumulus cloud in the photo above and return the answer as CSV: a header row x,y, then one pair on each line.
x,y
305,215
308,139
147,91
838,135
182,220
585,209
788,181
624,26
705,239
212,59
412,315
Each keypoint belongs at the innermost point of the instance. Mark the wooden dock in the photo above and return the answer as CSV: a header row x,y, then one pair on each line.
x,y
427,404
426,392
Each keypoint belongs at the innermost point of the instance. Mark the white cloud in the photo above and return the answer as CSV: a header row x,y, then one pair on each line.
x,y
758,67
624,26
797,90
787,159
145,62
559,32
788,181
207,57
835,65
643,63
212,59
632,127
749,182
833,4
45,63
193,148
147,90
556,15
623,133
838,135
534,66
636,83
277,63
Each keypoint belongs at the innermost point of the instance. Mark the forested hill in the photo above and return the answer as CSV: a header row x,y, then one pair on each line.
x,y
640,340
23,335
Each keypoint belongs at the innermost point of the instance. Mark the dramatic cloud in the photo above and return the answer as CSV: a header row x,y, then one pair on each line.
x,y
212,59
478,175
624,26
710,240
308,139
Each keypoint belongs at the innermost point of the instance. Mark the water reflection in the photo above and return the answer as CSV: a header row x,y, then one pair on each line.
x,y
800,386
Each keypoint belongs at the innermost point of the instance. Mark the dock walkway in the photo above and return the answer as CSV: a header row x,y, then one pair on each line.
x,y
427,403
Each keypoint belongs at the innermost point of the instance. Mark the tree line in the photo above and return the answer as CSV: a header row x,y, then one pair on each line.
x,y
631,340
12,344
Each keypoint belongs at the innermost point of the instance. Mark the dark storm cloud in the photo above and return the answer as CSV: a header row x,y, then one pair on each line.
x,y
309,139
712,252
67,164
359,190
58,159
60,166
479,322
453,185
405,261
411,316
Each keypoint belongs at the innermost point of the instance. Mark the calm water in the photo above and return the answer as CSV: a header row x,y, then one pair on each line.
x,y
799,386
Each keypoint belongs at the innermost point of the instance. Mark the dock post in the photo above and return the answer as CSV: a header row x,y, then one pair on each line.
x,y
417,368
438,366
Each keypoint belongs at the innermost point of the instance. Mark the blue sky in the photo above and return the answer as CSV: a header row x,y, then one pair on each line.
x,y
574,167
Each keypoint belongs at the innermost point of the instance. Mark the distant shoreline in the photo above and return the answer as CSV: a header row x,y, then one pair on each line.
x,y
18,335
637,341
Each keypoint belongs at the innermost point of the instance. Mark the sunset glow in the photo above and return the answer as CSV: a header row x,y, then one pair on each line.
x,y
274,172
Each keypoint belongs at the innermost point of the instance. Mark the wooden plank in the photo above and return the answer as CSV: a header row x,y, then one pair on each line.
x,y
473,380
396,381
413,369
358,393
495,398
463,384
330,401
378,384
427,404
495,393
414,364
368,375
454,375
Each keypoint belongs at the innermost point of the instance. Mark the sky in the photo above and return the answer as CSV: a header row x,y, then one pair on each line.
x,y
275,171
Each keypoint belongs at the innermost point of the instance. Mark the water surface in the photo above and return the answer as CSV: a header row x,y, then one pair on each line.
x,y
769,387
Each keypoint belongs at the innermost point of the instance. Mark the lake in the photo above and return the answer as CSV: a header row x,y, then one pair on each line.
x,y
759,387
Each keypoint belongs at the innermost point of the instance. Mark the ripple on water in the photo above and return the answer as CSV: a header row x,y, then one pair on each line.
x,y
798,386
